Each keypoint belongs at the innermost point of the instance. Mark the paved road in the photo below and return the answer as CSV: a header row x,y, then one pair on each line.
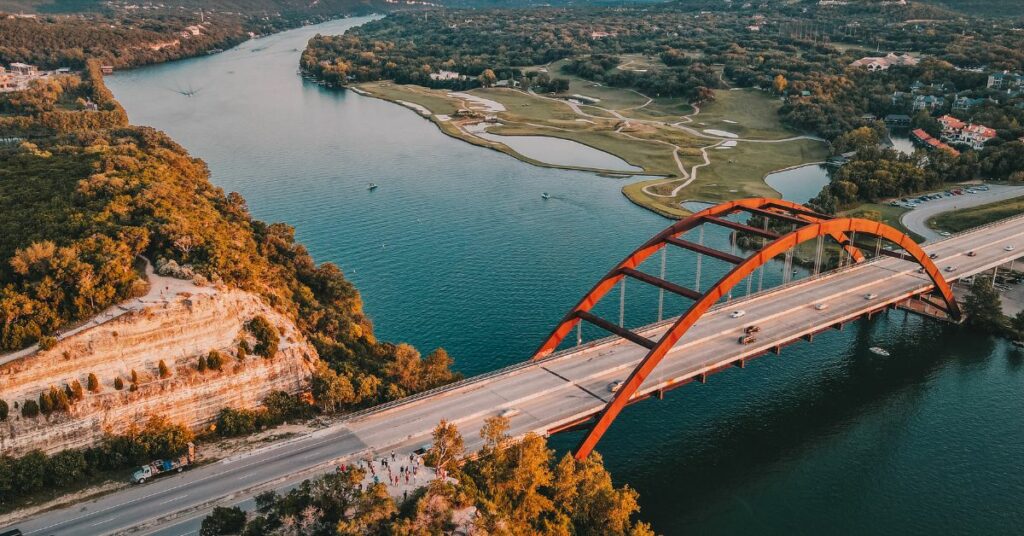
x,y
917,220
549,394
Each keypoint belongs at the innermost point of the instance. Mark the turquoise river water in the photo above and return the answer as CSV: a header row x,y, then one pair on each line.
x,y
456,248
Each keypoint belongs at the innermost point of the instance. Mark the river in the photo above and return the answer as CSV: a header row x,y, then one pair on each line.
x,y
457,248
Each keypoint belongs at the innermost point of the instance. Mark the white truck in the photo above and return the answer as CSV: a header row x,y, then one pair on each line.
x,y
160,467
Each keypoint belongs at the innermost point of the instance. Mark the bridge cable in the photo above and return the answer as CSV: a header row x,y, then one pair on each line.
x,y
622,303
817,254
700,240
579,333
661,291
760,277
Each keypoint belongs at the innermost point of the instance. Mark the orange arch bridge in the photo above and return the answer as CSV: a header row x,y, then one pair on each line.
x,y
806,225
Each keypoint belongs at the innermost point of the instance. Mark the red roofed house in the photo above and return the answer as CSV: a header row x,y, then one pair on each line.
x,y
956,131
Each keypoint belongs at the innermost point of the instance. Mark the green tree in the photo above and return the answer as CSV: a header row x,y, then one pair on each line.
x,y
267,336
93,383
201,364
215,360
1017,323
118,383
76,391
487,78
30,409
331,391
45,403
223,520
983,307
4,410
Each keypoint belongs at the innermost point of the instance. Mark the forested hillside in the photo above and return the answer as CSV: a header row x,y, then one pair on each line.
x,y
86,193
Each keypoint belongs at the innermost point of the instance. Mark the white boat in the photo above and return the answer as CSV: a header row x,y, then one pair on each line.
x,y
545,196
879,350
371,187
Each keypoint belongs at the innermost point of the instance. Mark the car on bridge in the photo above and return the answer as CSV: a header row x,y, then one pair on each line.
x,y
951,268
821,306
1008,248
870,296
615,386
737,314
972,253
747,339
508,413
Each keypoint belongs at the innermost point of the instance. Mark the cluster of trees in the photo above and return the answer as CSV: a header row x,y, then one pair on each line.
x,y
99,198
277,407
36,471
517,487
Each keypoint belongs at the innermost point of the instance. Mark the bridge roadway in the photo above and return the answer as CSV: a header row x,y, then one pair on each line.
x,y
550,394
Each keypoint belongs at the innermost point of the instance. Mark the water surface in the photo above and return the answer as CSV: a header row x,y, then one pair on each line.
x,y
457,248
799,184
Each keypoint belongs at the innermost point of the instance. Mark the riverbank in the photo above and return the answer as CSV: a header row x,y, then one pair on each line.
x,y
691,162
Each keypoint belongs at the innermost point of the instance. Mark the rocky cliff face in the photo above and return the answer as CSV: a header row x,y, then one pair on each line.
x,y
178,330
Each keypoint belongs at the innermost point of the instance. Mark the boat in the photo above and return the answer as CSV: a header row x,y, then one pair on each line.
x,y
371,187
545,195
880,351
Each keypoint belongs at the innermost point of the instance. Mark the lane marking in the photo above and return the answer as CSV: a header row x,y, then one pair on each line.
x,y
108,520
174,499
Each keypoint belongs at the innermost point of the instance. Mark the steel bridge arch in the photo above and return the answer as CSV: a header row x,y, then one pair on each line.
x,y
811,226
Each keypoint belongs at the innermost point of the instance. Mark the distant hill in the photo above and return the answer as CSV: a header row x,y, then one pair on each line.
x,y
242,6
985,8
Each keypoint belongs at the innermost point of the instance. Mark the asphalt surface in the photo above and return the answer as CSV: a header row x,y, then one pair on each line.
x,y
548,394
917,220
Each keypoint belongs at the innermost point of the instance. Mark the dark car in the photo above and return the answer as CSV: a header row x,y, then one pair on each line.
x,y
12,532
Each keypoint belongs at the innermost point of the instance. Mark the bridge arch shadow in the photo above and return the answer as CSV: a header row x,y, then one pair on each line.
x,y
775,215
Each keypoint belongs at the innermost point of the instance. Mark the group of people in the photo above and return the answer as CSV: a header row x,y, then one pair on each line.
x,y
409,472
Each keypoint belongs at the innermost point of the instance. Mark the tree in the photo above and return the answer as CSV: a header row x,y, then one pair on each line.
x,y
4,410
215,360
447,447
330,390
164,371
45,403
118,383
201,364
267,336
780,84
93,383
983,307
223,521
487,78
30,409
75,391
1017,323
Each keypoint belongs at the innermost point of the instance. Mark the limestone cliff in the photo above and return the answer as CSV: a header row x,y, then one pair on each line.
x,y
171,324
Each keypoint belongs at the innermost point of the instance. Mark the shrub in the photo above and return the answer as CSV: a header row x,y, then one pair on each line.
x,y
60,399
47,342
215,360
135,376
30,409
223,521
235,422
4,410
201,364
118,383
93,383
45,403
75,391
267,337
164,371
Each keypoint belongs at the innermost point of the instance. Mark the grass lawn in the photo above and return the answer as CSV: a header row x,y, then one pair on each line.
x,y
961,220
435,100
756,114
612,98
884,213
743,168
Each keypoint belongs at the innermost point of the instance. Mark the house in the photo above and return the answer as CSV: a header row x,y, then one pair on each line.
x,y
23,69
874,63
599,35
927,102
963,104
974,136
1013,83
107,69
921,137
445,75
897,120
